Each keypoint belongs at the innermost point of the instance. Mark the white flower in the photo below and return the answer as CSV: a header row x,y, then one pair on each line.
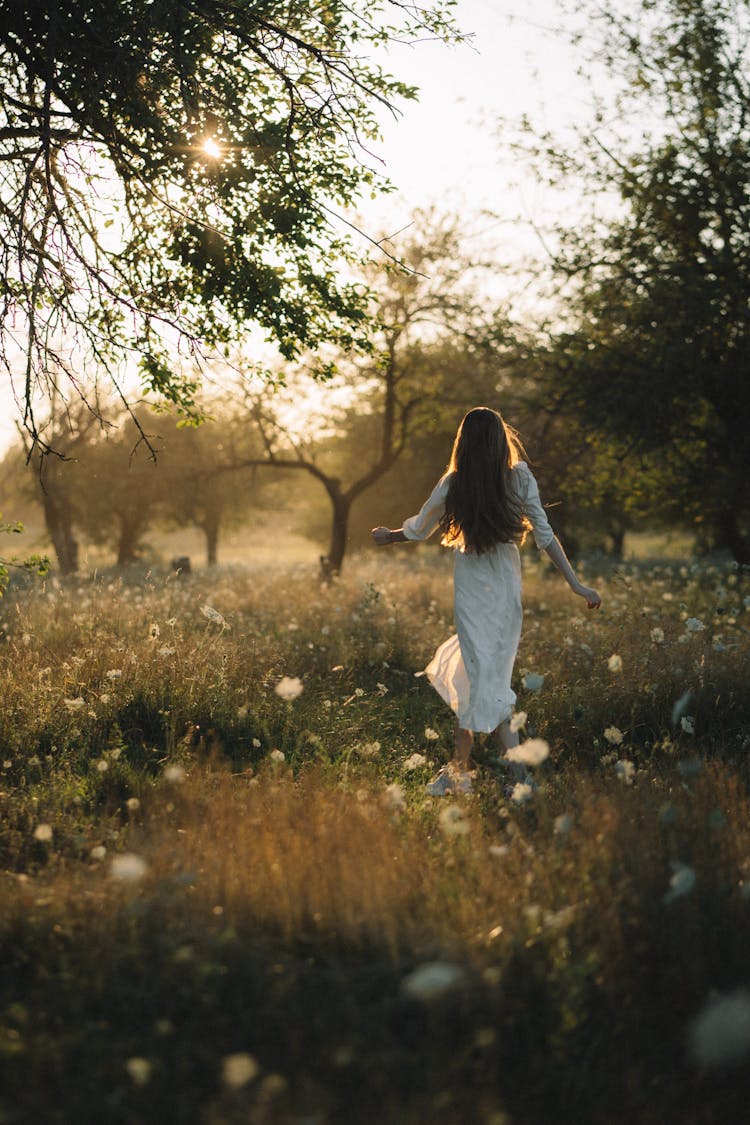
x,y
174,773
613,735
75,704
625,770
132,804
139,1070
369,749
102,765
720,1034
98,852
563,824
214,615
687,722
518,721
43,832
238,1069
277,756
681,707
128,867
394,797
657,635
522,792
382,689
452,821
289,687
414,761
615,662
694,625
433,980
257,744
166,650
114,674
533,682
431,735
532,752
105,697
681,882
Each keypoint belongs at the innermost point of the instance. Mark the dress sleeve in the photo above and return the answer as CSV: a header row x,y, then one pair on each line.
x,y
531,506
427,520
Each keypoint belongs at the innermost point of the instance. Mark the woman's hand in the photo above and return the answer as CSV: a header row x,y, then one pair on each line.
x,y
593,598
382,536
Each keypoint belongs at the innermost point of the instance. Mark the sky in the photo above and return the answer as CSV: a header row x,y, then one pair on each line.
x,y
445,150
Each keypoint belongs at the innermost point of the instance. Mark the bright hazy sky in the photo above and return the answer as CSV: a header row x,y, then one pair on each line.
x,y
444,149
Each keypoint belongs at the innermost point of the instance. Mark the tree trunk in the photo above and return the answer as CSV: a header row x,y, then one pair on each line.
x,y
211,532
330,564
127,543
59,523
729,536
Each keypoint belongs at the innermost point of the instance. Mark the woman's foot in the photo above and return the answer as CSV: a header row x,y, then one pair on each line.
x,y
450,779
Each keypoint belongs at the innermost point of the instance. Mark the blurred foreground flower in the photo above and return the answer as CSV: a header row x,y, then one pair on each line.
x,y
238,1069
289,687
521,793
615,662
720,1034
625,770
518,721
43,832
681,882
174,773
414,761
532,752
452,821
613,735
394,797
128,867
433,980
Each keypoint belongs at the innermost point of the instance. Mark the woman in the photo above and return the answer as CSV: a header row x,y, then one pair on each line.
x,y
484,504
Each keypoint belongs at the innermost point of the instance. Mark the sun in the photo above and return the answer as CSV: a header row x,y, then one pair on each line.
x,y
210,147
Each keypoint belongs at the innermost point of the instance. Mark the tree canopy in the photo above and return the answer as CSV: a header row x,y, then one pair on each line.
x,y
169,170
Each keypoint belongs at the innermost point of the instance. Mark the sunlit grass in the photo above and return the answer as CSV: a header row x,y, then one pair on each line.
x,y
199,868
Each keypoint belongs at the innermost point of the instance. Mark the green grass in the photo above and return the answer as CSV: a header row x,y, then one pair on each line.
x,y
291,875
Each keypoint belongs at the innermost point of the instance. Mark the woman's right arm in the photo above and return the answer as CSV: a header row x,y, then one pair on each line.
x,y
420,526
383,536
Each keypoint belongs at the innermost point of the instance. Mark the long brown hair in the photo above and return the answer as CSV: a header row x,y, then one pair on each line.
x,y
479,508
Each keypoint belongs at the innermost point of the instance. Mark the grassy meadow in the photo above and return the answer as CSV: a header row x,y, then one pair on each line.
x,y
227,900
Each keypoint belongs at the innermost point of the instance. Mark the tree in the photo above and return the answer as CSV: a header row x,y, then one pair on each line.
x,y
170,172
418,310
656,348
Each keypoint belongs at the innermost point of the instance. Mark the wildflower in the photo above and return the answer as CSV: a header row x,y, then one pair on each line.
x,y
359,692
257,744
533,682
657,635
532,752
139,1070
720,1034
289,687
167,650
277,757
382,689
522,792
452,821
238,1069
625,770
687,722
214,615
132,804
433,980
174,773
102,765
171,622
680,707
394,797
518,721
76,704
98,852
105,697
369,749
114,674
563,824
414,761
694,625
614,736
431,735
43,832
681,882
154,632
128,867
615,662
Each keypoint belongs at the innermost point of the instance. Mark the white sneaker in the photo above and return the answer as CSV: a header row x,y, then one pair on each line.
x,y
450,780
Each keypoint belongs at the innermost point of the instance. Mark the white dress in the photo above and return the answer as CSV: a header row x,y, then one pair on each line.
x,y
472,669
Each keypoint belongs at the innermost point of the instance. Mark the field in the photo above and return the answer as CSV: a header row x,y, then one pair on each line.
x,y
226,899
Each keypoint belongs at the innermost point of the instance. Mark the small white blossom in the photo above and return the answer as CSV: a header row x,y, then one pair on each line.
x,y
518,721
139,1070
174,773
452,821
238,1069
277,756
414,761
289,687
681,881
532,752
98,852
214,615
431,735
694,625
687,722
114,674
43,832
615,662
657,635
719,1035
625,770
614,736
257,744
76,704
128,867
522,792
394,797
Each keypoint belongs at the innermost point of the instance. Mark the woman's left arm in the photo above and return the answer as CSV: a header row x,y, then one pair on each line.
x,y
383,536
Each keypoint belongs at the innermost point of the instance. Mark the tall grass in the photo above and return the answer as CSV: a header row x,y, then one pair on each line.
x,y
197,869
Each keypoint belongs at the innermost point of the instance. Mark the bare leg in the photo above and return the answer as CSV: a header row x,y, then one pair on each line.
x,y
464,743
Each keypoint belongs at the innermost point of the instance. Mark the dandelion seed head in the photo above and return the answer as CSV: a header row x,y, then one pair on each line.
x,y
615,662
289,688
394,797
98,852
532,752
